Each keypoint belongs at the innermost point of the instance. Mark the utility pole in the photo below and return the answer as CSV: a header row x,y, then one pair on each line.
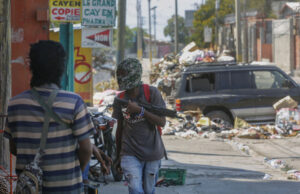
x,y
154,22
217,24
238,31
150,38
139,30
121,30
176,27
5,74
245,34
154,18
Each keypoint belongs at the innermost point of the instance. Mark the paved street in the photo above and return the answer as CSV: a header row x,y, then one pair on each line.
x,y
287,149
215,166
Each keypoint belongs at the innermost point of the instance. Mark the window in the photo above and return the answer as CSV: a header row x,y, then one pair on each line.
x,y
240,80
203,82
270,80
224,81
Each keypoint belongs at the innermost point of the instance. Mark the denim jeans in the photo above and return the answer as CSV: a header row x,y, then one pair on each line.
x,y
140,175
85,173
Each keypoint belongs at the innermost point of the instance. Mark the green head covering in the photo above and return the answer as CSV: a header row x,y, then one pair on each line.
x,y
129,74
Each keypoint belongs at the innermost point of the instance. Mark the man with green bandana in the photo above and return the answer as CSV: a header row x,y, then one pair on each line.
x,y
139,145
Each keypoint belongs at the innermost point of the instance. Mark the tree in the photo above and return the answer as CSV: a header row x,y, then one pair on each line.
x,y
206,17
129,38
169,30
264,7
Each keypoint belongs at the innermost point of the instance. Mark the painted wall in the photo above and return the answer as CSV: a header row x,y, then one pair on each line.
x,y
29,24
283,44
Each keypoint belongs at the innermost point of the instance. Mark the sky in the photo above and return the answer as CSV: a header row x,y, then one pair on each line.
x,y
165,9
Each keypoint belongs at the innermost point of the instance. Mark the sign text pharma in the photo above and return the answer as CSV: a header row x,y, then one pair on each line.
x,y
98,12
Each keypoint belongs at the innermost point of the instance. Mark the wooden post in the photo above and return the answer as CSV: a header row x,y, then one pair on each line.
x,y
5,74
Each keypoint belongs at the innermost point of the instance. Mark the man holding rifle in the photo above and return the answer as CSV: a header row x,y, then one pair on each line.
x,y
139,144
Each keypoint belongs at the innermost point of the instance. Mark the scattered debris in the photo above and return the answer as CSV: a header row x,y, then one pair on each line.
x,y
275,163
293,174
244,148
287,120
187,134
267,177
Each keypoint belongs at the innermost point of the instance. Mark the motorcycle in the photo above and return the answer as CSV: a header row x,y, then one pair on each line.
x,y
104,138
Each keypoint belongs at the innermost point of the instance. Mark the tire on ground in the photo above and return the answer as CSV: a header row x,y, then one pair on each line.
x,y
221,116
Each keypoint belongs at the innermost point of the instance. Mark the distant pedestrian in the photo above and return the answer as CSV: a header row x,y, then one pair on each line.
x,y
139,145
68,148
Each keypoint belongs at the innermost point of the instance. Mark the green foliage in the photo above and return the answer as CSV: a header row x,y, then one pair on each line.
x,y
206,16
169,30
129,38
264,7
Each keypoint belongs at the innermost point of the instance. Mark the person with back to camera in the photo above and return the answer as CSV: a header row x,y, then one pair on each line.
x,y
68,148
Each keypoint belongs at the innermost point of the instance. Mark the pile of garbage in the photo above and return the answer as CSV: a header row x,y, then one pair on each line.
x,y
104,98
165,73
112,84
195,124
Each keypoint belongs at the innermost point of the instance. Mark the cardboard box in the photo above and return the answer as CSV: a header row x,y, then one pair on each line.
x,y
286,102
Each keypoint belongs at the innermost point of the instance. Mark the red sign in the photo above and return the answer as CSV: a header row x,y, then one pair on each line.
x,y
83,72
101,37
96,38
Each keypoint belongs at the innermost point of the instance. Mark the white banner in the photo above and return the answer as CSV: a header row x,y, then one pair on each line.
x,y
98,12
96,37
207,34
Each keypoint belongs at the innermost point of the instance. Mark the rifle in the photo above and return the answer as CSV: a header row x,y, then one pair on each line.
x,y
152,108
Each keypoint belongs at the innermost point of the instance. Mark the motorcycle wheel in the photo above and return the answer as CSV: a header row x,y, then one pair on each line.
x,y
117,176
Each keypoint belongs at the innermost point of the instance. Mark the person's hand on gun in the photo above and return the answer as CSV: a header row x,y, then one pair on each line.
x,y
133,107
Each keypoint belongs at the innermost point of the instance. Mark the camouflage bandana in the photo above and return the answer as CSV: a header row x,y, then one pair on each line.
x,y
129,74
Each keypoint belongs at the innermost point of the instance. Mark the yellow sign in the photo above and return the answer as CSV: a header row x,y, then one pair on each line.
x,y
83,76
65,10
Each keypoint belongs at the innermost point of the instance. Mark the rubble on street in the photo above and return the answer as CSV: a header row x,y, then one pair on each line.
x,y
184,128
165,73
287,124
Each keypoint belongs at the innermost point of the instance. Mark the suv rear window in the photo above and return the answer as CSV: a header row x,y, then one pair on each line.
x,y
202,82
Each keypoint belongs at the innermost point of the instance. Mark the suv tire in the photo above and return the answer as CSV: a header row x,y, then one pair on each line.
x,y
220,117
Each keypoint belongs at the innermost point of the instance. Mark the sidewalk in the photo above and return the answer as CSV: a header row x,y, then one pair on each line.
x,y
286,149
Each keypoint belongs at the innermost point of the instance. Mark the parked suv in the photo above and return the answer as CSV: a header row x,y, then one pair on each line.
x,y
227,90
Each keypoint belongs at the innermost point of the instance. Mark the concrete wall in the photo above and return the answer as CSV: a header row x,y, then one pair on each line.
x,y
283,44
297,52
297,44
